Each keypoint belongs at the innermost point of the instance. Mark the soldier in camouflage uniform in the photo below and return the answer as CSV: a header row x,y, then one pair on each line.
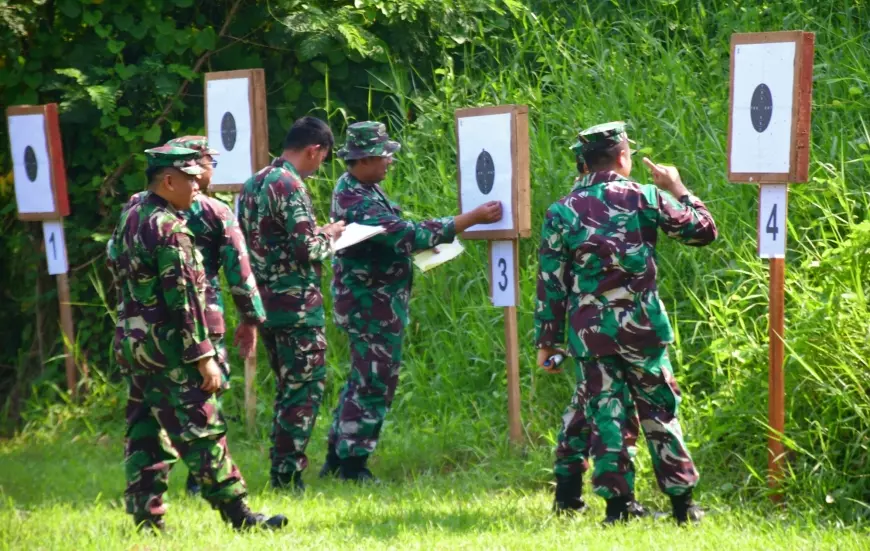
x,y
371,288
288,249
219,239
597,266
162,346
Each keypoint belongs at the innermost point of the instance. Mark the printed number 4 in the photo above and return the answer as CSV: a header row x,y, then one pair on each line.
x,y
771,227
53,246
502,264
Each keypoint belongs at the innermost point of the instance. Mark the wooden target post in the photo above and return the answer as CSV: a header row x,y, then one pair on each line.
x,y
493,165
236,125
41,195
769,144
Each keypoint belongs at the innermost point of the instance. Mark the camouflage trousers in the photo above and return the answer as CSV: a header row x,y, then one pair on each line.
x,y
169,416
650,382
572,448
368,393
298,360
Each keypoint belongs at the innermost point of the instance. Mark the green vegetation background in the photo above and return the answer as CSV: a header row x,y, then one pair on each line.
x,y
128,75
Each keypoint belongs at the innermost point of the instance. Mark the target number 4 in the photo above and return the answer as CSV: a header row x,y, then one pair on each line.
x,y
773,205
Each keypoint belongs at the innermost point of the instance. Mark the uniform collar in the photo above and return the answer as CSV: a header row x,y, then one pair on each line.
x,y
598,178
158,201
280,162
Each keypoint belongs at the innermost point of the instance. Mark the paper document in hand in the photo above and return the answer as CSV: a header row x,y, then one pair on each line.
x,y
356,233
428,259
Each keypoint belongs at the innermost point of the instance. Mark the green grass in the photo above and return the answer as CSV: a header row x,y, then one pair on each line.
x,y
66,493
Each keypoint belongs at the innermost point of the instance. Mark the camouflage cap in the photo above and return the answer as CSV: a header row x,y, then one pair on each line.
x,y
197,143
367,139
173,156
599,137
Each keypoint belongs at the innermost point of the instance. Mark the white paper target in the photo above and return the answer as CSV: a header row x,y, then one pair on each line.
x,y
772,211
230,129
761,118
55,247
486,169
30,164
503,274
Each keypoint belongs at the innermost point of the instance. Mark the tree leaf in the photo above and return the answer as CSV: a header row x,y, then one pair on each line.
x,y
152,135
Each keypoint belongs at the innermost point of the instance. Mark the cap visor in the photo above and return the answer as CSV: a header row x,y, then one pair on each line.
x,y
391,147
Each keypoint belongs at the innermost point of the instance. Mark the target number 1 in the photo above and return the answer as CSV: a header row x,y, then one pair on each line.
x,y
773,205
55,247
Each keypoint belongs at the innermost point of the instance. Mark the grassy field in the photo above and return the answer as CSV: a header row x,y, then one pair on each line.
x,y
65,493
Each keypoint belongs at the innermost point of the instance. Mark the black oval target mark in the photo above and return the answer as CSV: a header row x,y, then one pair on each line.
x,y
228,131
485,172
31,165
761,107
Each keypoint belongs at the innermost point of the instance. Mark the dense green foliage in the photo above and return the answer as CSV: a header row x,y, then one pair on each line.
x,y
662,65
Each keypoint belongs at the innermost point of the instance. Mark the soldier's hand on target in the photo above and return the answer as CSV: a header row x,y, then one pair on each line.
x,y
245,339
211,374
488,213
666,178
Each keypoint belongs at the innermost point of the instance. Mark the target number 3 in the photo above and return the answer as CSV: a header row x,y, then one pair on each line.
x,y
502,266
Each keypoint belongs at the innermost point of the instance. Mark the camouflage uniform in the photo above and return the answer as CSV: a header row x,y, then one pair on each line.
x,y
287,253
597,265
371,288
160,335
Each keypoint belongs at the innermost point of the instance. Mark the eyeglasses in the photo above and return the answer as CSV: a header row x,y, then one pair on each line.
x,y
213,163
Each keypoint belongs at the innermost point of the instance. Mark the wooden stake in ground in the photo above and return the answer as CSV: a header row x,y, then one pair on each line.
x,y
768,144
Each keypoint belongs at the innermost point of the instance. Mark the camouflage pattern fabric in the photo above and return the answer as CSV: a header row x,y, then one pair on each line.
x,y
197,143
572,447
174,156
298,360
597,264
169,416
650,380
371,289
161,289
287,252
367,139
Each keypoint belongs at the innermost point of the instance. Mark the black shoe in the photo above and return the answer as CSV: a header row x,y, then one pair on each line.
x,y
617,510
635,509
685,510
568,491
288,481
149,523
193,488
240,516
354,468
332,465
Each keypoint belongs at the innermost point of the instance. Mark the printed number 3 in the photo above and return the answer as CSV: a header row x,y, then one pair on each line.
x,y
502,264
771,223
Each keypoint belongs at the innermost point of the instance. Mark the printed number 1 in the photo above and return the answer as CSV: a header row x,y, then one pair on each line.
x,y
502,263
53,247
772,228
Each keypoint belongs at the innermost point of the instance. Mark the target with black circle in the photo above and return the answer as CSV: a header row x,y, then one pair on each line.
x,y
761,107
485,172
229,132
31,165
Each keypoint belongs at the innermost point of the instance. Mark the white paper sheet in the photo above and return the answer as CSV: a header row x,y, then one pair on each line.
x,y
34,196
230,96
356,233
502,274
768,151
773,206
55,246
493,134
428,259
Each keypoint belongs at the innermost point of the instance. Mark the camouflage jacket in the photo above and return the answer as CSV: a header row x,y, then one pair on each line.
x,y
371,283
161,288
598,264
287,252
220,241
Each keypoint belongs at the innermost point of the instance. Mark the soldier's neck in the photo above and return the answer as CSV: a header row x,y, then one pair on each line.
x,y
361,178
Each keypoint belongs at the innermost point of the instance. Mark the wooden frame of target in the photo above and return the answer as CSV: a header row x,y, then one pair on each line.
x,y
770,104
236,124
492,157
37,162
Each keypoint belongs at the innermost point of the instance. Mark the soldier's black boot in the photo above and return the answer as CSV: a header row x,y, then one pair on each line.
x,y
333,463
617,510
569,490
635,509
241,517
149,523
193,488
288,481
354,468
685,510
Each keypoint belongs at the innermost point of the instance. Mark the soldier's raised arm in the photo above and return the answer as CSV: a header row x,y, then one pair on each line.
x,y
682,216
